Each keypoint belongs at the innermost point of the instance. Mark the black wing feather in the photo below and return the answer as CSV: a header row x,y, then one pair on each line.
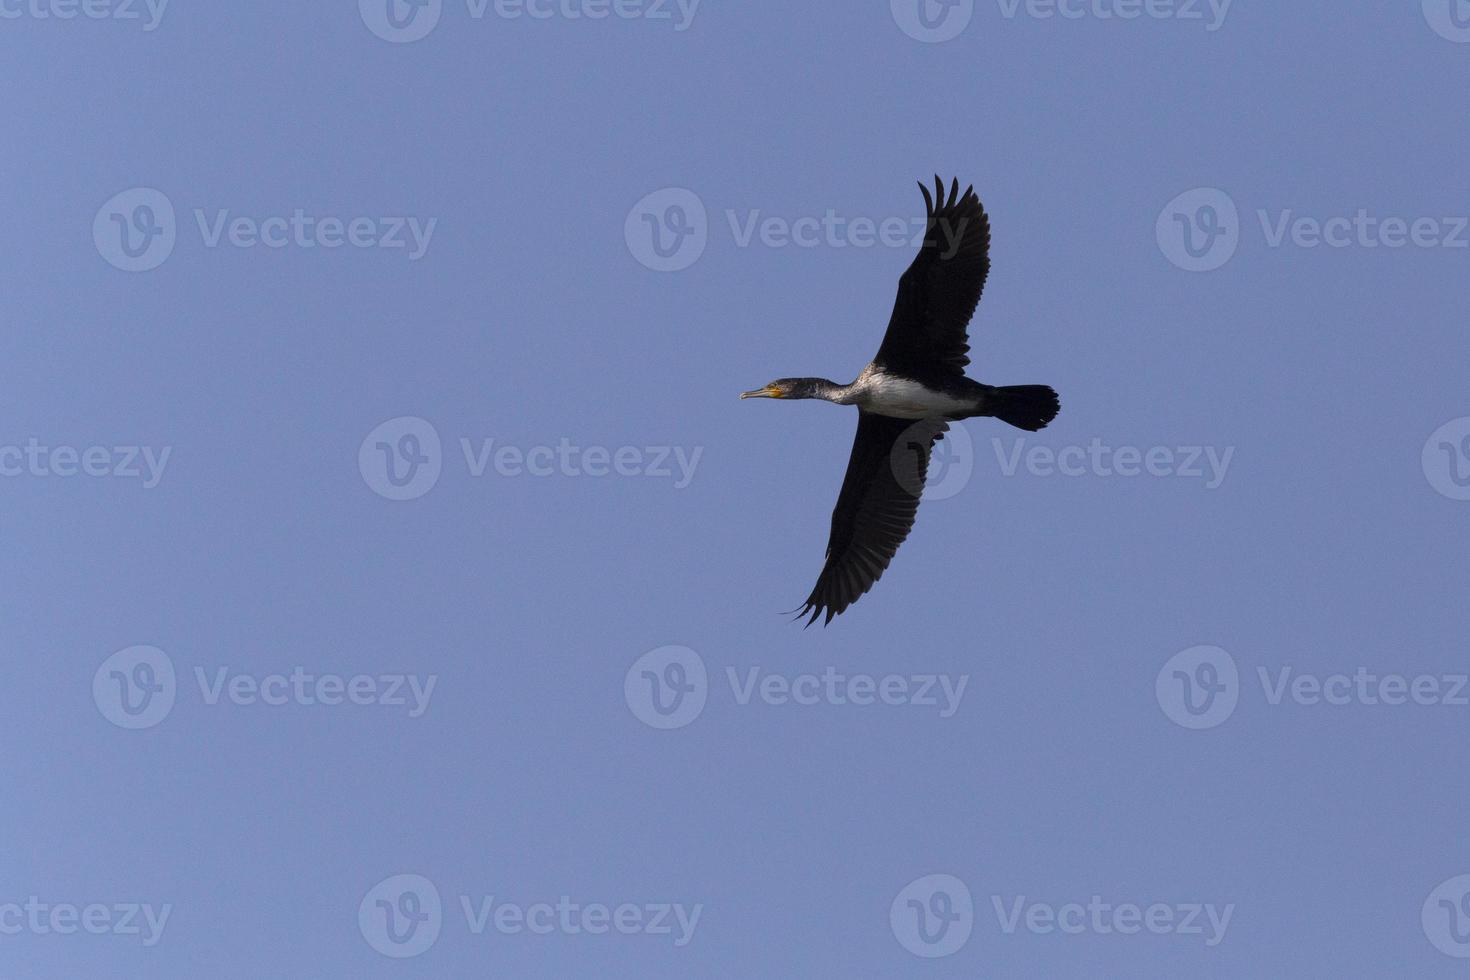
x,y
875,510
937,296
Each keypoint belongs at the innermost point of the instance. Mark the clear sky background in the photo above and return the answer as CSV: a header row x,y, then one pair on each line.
x,y
1332,543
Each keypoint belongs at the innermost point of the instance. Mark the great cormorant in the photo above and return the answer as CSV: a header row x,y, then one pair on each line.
x,y
906,398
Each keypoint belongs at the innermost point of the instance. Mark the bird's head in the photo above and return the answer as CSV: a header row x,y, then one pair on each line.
x,y
789,388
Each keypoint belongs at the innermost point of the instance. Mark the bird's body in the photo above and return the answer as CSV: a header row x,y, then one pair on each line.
x,y
895,396
906,398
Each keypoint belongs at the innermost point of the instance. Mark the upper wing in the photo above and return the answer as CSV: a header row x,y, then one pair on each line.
x,y
939,292
875,510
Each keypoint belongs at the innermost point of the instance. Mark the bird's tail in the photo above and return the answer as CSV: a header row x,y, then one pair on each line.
x,y
1029,407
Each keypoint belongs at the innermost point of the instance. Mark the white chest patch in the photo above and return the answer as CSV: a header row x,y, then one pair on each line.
x,y
901,398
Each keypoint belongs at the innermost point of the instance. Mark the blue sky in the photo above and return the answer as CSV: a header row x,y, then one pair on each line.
x,y
394,577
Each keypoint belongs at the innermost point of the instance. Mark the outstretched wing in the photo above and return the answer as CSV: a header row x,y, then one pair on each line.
x,y
875,510
938,294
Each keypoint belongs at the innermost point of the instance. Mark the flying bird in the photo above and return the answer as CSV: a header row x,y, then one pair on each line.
x,y
906,398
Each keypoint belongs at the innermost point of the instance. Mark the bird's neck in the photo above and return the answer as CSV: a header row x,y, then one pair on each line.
x,y
827,391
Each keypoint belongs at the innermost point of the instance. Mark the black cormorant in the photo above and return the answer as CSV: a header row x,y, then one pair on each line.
x,y
906,398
